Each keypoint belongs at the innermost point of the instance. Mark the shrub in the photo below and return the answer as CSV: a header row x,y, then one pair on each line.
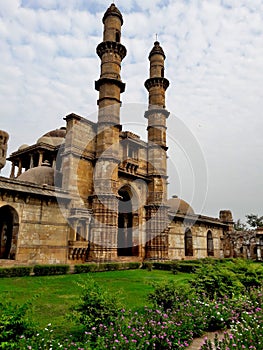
x,y
247,333
86,268
181,266
14,322
147,266
167,266
111,266
15,271
167,294
97,305
249,274
48,270
188,267
92,267
132,265
214,281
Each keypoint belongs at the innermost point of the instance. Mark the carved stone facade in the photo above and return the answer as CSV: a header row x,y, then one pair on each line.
x,y
93,192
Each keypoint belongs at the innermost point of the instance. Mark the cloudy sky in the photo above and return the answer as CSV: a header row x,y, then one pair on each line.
x,y
214,61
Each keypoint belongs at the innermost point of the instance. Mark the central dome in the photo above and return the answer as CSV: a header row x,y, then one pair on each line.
x,y
179,206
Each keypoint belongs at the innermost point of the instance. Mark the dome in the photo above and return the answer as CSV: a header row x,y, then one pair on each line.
x,y
56,133
23,147
157,49
54,137
41,175
180,206
112,11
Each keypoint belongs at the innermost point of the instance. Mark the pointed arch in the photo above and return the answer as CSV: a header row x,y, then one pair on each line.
x,y
126,216
188,242
9,224
210,244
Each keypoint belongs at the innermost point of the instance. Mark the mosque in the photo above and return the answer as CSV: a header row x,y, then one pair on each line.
x,y
95,192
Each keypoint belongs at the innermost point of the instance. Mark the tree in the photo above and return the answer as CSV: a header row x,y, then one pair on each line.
x,y
239,226
254,220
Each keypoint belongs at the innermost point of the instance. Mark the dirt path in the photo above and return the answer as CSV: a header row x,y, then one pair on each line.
x,y
197,342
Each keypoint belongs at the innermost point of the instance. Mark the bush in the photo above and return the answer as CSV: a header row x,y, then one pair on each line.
x,y
97,305
48,270
188,267
247,333
92,267
181,266
249,274
147,266
112,266
167,294
15,271
14,323
214,281
162,266
86,268
132,265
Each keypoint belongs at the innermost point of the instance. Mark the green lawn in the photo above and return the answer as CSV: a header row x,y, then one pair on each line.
x,y
56,294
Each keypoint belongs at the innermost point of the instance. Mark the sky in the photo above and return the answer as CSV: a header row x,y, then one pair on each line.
x,y
214,63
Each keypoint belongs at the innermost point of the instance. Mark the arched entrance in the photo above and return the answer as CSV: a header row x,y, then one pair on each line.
x,y
125,224
8,232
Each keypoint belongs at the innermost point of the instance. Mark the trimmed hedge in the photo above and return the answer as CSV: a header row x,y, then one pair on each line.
x,y
20,271
92,267
49,270
186,266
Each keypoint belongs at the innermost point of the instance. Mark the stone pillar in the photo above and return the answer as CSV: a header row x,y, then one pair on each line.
x,y
54,163
75,227
13,168
31,161
40,159
19,167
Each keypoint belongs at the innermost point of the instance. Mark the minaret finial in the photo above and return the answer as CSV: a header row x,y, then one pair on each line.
x,y
156,37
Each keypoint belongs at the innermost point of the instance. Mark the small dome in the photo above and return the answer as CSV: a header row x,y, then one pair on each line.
x,y
180,206
23,147
112,11
56,133
157,49
41,175
53,137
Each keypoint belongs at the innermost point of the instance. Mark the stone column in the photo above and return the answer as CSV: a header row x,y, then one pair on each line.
x,y
31,161
12,174
40,159
19,168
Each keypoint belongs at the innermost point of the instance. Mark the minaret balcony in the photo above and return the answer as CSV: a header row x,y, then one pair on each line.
x,y
112,81
111,46
156,81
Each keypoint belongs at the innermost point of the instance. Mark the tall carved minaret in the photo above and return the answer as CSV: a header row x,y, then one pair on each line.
x,y
156,208
110,86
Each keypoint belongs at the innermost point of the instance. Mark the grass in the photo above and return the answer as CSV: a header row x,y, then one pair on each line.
x,y
56,294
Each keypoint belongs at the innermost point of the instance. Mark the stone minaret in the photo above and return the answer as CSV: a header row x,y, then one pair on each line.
x,y
156,209
3,147
110,86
